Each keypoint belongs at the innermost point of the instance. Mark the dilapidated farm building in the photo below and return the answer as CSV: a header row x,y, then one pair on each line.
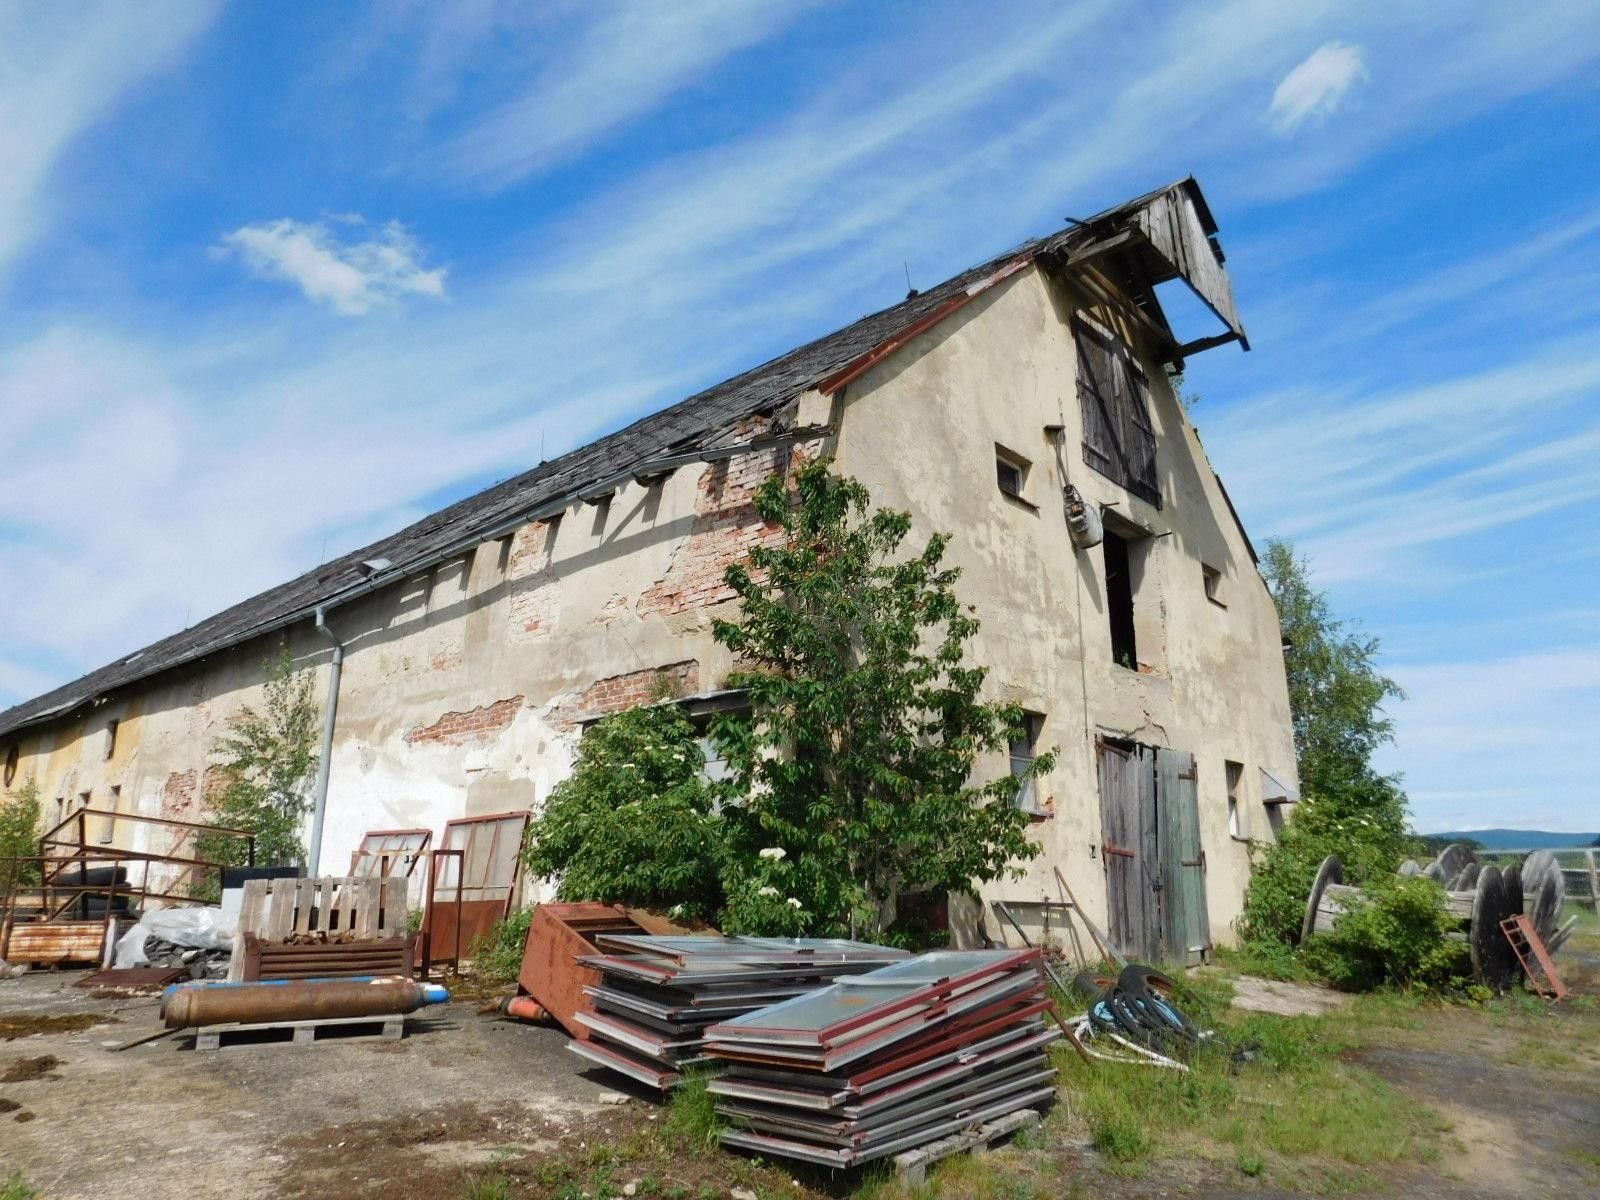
x,y
1024,405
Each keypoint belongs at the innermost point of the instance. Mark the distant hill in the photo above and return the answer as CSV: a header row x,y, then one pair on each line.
x,y
1518,839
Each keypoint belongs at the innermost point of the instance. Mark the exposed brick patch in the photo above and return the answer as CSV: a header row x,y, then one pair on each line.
x,y
617,692
213,781
534,596
455,728
726,528
178,795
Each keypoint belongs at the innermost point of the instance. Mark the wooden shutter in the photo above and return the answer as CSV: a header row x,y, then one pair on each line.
x,y
1113,396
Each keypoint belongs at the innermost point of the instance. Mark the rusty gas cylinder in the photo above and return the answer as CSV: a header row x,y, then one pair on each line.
x,y
190,1004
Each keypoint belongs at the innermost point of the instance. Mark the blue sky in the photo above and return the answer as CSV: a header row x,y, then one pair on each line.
x,y
278,279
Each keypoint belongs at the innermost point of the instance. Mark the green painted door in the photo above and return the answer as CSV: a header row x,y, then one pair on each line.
x,y
1186,927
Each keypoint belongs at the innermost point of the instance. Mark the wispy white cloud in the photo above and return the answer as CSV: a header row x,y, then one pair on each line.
x,y
351,277
630,59
62,69
1317,86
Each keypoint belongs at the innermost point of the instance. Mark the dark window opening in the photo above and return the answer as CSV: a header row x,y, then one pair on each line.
x,y
1011,473
111,738
13,759
1114,398
1213,584
1024,750
1119,602
108,830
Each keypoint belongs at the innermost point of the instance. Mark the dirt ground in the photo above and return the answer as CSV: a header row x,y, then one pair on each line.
x,y
248,1120
467,1096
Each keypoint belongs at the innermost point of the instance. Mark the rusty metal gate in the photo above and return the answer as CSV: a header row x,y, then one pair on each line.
x,y
1154,863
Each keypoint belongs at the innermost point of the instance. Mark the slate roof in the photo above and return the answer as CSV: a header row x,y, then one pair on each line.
x,y
700,421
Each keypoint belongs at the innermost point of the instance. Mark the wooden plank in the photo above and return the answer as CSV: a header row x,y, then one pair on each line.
x,y
327,897
395,900
250,907
280,914
365,898
304,893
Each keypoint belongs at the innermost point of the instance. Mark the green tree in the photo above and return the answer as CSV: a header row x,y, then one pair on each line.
x,y
266,760
1336,697
634,822
1336,693
19,833
855,767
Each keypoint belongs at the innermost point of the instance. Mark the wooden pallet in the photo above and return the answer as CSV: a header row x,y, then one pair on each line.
x,y
389,1028
336,910
912,1166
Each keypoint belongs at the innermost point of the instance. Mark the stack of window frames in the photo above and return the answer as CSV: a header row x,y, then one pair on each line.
x,y
658,994
888,1061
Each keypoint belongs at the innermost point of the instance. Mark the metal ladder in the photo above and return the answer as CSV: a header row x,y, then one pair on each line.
x,y
1529,948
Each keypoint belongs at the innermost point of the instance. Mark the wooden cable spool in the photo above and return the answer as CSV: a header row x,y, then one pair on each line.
x,y
1534,869
1544,905
1454,859
1331,872
1467,880
1493,962
1493,895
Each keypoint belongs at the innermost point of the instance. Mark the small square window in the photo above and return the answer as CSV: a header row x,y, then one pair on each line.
x,y
1023,751
1011,473
1213,584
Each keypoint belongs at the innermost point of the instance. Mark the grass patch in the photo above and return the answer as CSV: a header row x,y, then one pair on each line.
x,y
497,953
1267,960
16,1188
1297,1099
692,1113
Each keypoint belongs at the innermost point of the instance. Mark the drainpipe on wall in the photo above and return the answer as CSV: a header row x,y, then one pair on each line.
x,y
319,807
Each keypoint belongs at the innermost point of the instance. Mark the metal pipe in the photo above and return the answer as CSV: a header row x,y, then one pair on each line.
x,y
187,1005
319,801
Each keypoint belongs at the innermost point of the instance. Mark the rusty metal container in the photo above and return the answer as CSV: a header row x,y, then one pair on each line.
x,y
559,933
193,1004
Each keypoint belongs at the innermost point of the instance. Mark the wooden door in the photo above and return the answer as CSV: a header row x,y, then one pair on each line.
x,y
1185,925
1130,848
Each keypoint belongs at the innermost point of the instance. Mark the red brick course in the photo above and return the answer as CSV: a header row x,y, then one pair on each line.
x,y
617,692
455,728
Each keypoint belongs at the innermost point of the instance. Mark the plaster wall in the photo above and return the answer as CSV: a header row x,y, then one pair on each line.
x,y
922,431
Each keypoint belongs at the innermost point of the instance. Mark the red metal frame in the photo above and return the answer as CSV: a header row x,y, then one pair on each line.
x,y
384,856
827,1036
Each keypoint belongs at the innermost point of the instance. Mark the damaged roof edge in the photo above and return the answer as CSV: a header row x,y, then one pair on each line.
x,y
690,426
